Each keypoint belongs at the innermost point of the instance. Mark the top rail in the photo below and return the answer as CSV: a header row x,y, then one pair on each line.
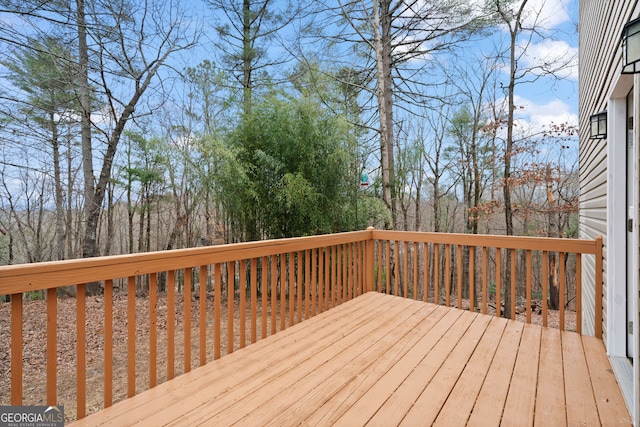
x,y
45,275
582,246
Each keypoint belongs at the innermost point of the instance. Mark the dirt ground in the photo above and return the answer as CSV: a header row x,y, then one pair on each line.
x,y
34,345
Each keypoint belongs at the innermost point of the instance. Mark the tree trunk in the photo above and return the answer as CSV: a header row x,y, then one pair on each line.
x,y
57,176
382,39
247,57
89,247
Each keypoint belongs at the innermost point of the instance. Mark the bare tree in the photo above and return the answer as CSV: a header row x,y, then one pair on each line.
x,y
128,56
399,38
249,31
523,25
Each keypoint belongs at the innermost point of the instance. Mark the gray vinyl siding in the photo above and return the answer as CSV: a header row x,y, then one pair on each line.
x,y
600,28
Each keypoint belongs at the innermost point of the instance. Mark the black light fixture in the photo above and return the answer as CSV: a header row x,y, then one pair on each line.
x,y
598,125
631,47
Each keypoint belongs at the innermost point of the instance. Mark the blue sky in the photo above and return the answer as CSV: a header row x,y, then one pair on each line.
x,y
550,99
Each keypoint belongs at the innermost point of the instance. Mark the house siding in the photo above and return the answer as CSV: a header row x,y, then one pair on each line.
x,y
600,59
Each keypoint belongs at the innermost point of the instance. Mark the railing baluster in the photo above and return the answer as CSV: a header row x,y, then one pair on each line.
x,y
358,263
307,282
436,273
283,291
203,315
264,294
563,260
357,268
327,278
108,343
545,286
188,279
447,275
415,270
335,265
460,273
472,278
274,308
81,352
528,282
484,280
425,272
498,282
131,336
387,283
292,297
299,286
513,283
405,263
52,350
396,267
378,286
171,322
346,270
354,265
598,287
579,293
243,302
231,297
16,349
153,330
311,284
342,273
254,298
353,268
217,297
349,265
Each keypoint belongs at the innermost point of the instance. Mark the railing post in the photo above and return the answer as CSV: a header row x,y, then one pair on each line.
x,y
369,267
598,288
16,349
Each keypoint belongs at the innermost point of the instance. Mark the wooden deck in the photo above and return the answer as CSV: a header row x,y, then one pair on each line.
x,y
383,360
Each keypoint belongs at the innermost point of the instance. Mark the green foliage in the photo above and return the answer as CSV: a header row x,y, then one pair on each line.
x,y
45,74
286,172
574,226
4,249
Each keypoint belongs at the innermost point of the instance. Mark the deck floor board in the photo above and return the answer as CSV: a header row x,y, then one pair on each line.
x,y
384,360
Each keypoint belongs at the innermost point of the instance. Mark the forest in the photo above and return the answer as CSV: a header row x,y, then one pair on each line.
x,y
129,126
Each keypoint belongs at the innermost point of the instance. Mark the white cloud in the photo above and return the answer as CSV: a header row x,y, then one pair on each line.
x,y
533,118
547,14
552,56
541,116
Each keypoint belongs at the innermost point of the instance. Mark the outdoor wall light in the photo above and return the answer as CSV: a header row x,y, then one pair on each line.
x,y
631,47
598,128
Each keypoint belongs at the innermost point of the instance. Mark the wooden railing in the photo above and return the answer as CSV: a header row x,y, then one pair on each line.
x,y
233,295
479,271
